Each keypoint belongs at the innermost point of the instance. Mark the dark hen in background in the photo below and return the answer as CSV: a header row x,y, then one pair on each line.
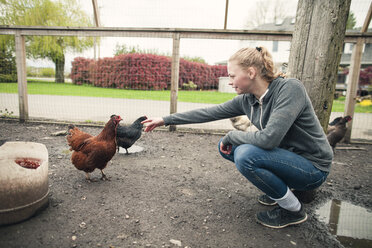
x,y
332,124
336,135
126,136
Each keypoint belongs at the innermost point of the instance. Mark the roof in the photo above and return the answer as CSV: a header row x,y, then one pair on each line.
x,y
286,24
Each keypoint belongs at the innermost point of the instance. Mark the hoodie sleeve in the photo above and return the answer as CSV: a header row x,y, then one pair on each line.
x,y
225,110
288,104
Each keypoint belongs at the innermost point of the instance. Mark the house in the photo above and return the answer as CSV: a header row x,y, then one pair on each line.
x,y
280,51
366,61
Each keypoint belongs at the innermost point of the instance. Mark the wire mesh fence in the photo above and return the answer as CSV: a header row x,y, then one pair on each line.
x,y
115,76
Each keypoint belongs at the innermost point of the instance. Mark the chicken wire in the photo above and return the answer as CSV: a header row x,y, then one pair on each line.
x,y
79,108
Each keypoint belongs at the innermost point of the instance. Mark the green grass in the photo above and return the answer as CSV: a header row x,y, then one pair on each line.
x,y
211,97
339,106
49,88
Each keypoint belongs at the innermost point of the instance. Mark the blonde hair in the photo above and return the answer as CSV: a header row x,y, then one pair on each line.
x,y
258,57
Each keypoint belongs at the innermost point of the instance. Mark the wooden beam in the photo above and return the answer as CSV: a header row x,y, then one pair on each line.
x,y
353,79
367,20
229,34
352,85
175,76
98,24
97,18
21,73
226,12
97,21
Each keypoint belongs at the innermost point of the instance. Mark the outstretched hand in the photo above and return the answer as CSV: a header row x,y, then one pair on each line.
x,y
152,123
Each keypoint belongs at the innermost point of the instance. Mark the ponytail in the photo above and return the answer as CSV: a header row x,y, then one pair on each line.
x,y
258,57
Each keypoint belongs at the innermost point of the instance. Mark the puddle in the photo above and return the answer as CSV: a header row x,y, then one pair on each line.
x,y
351,224
132,149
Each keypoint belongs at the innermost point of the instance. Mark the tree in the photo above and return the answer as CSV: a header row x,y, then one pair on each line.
x,y
47,13
351,21
8,69
268,11
124,49
316,50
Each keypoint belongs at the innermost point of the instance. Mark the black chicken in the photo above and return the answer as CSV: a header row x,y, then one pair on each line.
x,y
332,124
339,131
126,136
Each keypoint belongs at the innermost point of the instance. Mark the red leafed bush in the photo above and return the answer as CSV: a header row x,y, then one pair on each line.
x,y
365,77
80,71
144,72
141,71
103,73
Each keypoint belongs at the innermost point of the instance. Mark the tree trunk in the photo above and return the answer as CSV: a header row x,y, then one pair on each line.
x,y
316,49
60,69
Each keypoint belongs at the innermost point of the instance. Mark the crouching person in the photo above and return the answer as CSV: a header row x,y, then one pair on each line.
x,y
288,151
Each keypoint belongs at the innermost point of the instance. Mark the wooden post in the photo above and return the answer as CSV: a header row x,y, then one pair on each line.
x,y
334,215
21,73
226,12
175,76
316,50
97,21
352,85
353,79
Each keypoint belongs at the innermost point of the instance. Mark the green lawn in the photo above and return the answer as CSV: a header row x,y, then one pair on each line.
x,y
212,97
339,105
48,88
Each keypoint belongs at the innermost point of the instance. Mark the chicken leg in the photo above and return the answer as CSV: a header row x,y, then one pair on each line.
x,y
104,177
87,177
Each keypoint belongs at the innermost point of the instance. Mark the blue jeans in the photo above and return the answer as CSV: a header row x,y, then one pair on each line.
x,y
272,171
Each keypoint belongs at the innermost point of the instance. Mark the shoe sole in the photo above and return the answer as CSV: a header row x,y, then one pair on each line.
x,y
267,204
288,224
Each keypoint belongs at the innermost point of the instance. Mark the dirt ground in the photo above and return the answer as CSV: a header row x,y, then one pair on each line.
x,y
177,192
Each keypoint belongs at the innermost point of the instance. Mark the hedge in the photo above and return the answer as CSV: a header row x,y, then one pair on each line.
x,y
143,71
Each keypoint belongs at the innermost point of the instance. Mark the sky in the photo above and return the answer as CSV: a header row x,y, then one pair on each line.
x,y
198,14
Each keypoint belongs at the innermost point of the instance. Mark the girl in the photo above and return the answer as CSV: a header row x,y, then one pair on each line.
x,y
288,151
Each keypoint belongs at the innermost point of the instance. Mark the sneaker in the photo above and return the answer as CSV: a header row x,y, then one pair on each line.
x,y
280,217
266,200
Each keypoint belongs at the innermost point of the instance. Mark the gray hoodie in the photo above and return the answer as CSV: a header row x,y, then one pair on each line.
x,y
284,117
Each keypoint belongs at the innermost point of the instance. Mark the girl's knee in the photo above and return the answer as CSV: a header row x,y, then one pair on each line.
x,y
244,156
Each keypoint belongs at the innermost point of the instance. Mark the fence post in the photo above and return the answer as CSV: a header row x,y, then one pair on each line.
x,y
175,76
97,21
352,85
21,76
226,12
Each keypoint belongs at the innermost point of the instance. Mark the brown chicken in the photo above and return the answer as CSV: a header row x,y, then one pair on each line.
x,y
91,152
339,131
